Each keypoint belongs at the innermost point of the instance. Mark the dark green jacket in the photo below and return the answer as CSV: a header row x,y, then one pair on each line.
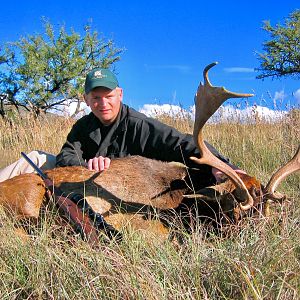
x,y
132,134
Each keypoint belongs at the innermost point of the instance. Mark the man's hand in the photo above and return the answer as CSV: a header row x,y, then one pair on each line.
x,y
220,176
99,163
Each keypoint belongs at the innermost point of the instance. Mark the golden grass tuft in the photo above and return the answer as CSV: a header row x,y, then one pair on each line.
x,y
27,134
261,260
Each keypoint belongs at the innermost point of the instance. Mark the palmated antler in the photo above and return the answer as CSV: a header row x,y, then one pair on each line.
x,y
208,99
289,168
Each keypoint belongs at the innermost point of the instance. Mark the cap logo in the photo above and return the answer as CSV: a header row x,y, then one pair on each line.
x,y
98,74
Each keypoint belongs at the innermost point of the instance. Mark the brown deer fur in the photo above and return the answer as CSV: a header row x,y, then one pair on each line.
x,y
23,195
128,192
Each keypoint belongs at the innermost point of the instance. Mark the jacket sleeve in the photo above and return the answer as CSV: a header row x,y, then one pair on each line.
x,y
160,141
71,153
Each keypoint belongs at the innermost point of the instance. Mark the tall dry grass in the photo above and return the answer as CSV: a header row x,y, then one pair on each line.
x,y
260,260
26,134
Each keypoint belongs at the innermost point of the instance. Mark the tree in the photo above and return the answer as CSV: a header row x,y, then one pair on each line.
x,y
282,51
39,72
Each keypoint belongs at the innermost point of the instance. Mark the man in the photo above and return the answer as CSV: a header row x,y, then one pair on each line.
x,y
114,130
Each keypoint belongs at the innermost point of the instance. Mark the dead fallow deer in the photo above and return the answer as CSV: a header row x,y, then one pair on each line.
x,y
142,192
239,189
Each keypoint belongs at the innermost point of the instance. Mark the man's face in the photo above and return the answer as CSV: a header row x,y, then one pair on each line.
x,y
105,103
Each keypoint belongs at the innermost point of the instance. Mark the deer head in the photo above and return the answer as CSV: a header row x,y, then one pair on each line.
x,y
207,100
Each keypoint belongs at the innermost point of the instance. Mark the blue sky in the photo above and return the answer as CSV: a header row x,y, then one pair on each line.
x,y
169,42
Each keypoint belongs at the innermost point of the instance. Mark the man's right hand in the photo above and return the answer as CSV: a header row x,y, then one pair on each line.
x,y
99,164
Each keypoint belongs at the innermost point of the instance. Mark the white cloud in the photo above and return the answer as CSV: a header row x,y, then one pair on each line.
x,y
68,108
154,110
226,113
297,96
238,70
249,114
278,98
279,95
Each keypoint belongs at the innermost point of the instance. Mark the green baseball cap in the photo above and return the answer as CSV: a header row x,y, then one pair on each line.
x,y
100,77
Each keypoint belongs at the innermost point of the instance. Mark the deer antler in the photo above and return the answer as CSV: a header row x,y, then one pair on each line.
x,y
290,167
208,99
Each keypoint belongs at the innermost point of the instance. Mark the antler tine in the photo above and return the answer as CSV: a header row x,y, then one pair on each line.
x,y
289,168
205,73
207,100
213,99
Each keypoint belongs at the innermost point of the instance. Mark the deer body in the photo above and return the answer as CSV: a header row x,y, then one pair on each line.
x,y
134,191
131,189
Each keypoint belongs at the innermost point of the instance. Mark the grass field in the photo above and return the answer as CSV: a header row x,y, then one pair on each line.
x,y
260,260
